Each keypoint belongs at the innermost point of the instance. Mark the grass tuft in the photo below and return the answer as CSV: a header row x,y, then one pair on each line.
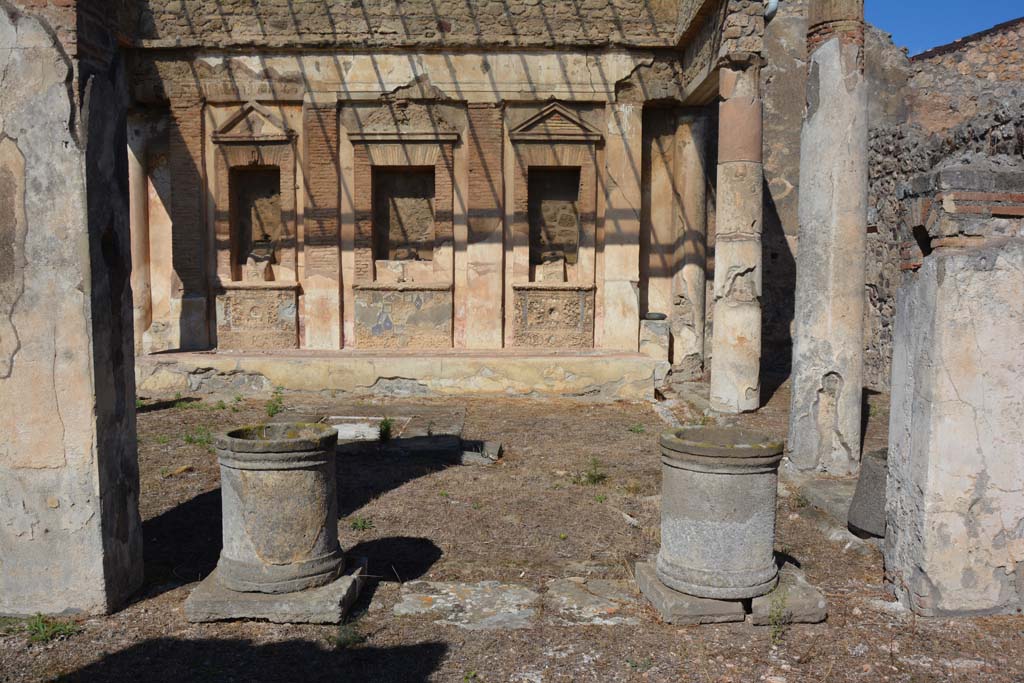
x,y
42,629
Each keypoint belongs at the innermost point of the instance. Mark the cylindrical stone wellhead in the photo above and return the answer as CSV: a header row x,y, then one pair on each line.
x,y
718,512
280,511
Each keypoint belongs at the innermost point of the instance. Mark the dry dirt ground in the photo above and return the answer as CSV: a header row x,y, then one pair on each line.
x,y
525,520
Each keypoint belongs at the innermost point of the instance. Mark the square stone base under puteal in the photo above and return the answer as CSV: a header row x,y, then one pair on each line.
x,y
794,601
329,604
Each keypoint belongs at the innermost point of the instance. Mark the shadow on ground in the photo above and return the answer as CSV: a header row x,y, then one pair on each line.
x,y
369,470
175,660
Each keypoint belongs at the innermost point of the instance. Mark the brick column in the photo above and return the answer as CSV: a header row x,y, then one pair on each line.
x,y
322,279
623,149
828,344
484,258
189,308
736,354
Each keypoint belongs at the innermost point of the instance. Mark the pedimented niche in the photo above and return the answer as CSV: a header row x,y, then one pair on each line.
x,y
555,123
254,123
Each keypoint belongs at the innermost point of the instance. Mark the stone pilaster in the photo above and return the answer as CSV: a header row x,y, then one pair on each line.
x,y
828,345
189,320
736,350
623,150
321,282
486,191
690,277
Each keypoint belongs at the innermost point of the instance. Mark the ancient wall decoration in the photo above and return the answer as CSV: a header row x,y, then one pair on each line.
x,y
554,227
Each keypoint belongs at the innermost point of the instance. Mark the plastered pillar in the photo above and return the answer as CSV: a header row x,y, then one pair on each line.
x,y
736,351
828,345
623,149
138,190
70,531
690,277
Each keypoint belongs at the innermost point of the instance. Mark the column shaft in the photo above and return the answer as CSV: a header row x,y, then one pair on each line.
x,y
138,189
828,346
736,351
690,277
623,148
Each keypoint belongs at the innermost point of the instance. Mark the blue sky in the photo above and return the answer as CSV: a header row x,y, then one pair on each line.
x,y
920,25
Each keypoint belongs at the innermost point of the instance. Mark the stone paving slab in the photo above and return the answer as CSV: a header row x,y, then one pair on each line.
x,y
210,601
484,606
795,600
679,608
591,601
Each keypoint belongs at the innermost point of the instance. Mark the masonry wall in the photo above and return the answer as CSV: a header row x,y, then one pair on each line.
x,y
366,23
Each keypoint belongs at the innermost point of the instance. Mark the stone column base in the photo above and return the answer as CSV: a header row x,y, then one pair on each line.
x,y
795,601
329,604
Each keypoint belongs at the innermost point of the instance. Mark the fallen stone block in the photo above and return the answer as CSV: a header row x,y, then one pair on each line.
x,y
480,452
794,601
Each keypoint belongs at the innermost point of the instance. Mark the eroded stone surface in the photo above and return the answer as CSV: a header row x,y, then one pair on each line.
x,y
484,606
955,504
591,601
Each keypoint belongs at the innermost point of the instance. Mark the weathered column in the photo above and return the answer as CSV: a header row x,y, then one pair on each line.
x,y
623,148
828,345
690,278
70,533
138,190
736,351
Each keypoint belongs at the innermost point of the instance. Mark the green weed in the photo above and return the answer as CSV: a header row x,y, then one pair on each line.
x,y
276,403
778,617
200,437
638,429
348,636
592,476
44,629
385,428
361,524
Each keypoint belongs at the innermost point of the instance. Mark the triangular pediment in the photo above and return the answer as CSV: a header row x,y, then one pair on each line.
x,y
253,123
555,123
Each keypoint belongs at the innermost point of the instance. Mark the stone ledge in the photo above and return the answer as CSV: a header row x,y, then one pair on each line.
x,y
589,375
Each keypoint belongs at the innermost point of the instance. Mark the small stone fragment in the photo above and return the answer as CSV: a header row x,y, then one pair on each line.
x,y
798,601
590,601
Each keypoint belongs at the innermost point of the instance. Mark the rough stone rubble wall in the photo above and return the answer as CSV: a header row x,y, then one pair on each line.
x,y
70,536
386,23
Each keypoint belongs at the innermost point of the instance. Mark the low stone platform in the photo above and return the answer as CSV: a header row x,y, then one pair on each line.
x,y
794,601
595,375
210,601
